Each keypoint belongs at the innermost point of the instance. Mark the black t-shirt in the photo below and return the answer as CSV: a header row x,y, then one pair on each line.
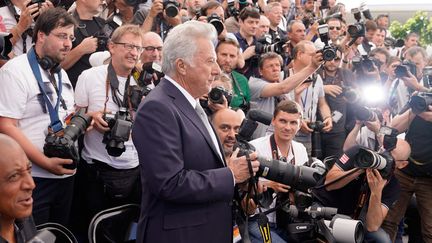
x,y
346,198
419,136
338,104
84,29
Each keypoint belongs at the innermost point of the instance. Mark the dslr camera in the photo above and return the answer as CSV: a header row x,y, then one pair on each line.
x,y
369,159
171,8
420,103
317,126
104,34
120,126
5,45
329,53
62,144
214,20
266,44
402,70
217,93
364,63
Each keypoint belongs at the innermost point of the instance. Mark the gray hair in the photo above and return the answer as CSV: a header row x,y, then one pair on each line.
x,y
414,50
181,43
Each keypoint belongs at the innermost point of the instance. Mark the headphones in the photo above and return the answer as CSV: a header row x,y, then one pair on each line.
x,y
48,64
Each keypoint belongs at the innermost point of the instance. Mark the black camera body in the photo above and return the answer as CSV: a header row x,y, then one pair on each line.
x,y
147,77
363,113
364,63
214,20
171,8
120,126
420,103
350,94
216,95
402,70
266,44
5,45
62,144
329,53
104,34
316,150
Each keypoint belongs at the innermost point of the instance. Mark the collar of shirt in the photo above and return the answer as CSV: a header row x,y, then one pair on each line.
x,y
186,94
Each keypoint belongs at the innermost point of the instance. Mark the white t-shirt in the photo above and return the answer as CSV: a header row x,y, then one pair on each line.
x,y
20,99
10,22
90,91
263,149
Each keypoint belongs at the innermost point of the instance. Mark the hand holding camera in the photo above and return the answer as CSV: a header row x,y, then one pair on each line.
x,y
375,181
88,45
30,12
98,122
239,166
58,166
332,90
156,8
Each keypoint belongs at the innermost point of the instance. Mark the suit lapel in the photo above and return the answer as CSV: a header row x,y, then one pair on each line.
x,y
180,101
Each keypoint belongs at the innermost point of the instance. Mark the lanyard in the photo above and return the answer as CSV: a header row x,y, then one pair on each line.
x,y
275,153
56,124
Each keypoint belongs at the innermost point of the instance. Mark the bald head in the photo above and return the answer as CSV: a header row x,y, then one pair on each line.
x,y
7,146
401,153
151,43
227,123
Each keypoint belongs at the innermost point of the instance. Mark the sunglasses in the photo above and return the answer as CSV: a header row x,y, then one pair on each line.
x,y
334,27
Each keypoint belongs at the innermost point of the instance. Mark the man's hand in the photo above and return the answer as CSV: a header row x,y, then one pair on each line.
x,y
55,166
157,8
240,168
427,115
98,122
278,187
317,60
332,90
249,52
88,45
216,106
328,124
27,15
304,127
374,125
375,181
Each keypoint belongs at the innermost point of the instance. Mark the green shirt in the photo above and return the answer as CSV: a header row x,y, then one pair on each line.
x,y
240,90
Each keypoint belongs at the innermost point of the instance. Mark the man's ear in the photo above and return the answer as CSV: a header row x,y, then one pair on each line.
x,y
180,66
401,164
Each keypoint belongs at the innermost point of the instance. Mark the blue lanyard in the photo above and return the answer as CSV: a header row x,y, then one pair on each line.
x,y
56,124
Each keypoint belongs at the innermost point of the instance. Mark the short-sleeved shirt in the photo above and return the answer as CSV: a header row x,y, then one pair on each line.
x,y
21,99
91,92
346,198
10,22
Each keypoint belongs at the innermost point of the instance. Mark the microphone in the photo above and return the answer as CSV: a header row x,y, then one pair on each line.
x,y
260,116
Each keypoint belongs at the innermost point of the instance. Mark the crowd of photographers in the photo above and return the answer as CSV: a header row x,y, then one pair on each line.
x,y
340,113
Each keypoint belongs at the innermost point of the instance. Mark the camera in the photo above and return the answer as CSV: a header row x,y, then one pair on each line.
x,y
5,45
217,93
104,34
147,76
420,103
329,53
171,8
356,30
364,63
402,70
214,20
62,144
232,11
363,113
390,42
120,126
350,94
390,137
324,20
427,77
369,159
323,224
266,44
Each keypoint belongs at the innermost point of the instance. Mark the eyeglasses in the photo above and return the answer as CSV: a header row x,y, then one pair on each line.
x,y
153,48
64,36
130,47
334,27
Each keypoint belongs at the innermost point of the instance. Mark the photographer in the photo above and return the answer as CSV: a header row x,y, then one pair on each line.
x,y
296,32
19,17
152,49
212,12
363,192
158,19
273,11
110,161
227,52
416,178
226,123
268,90
310,95
263,27
280,146
87,40
35,100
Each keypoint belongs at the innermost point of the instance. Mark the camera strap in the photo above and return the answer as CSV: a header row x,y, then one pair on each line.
x,y
82,28
362,200
56,125
113,82
27,32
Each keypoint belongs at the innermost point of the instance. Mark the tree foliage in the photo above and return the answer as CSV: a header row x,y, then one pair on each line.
x,y
419,23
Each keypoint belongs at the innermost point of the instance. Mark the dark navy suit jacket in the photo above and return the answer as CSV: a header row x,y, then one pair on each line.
x,y
186,189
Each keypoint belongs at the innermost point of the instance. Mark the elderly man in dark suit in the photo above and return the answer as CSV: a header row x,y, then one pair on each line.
x,y
187,186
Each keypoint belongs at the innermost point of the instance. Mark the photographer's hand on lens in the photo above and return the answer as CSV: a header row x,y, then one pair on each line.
x,y
157,8
98,122
174,21
88,45
375,181
45,6
215,106
278,187
374,125
249,52
317,60
332,90
427,115
55,166
26,17
411,82
240,168
328,124
304,127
